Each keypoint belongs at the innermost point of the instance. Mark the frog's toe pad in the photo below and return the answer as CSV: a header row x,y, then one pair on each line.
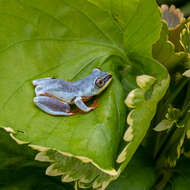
x,y
40,89
52,106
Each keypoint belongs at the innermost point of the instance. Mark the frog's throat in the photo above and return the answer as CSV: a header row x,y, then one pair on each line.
x,y
99,91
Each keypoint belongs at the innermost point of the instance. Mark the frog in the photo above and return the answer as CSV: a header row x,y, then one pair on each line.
x,y
55,96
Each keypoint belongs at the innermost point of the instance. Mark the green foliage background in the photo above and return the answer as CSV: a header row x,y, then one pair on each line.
x,y
67,39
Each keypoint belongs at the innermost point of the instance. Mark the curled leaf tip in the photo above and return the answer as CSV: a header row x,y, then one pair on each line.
x,y
53,171
129,118
66,179
42,156
145,81
17,140
9,130
122,156
128,136
134,98
172,15
129,101
39,148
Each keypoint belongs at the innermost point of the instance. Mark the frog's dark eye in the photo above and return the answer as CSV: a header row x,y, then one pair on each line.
x,y
99,82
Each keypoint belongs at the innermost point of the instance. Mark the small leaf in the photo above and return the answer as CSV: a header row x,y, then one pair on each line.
x,y
185,38
173,114
164,125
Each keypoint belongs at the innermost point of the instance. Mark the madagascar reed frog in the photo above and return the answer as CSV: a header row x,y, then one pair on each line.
x,y
54,96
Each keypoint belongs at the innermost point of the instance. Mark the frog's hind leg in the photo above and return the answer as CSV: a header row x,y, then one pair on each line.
x,y
52,106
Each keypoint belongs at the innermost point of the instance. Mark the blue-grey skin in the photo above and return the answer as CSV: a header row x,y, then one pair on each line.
x,y
54,95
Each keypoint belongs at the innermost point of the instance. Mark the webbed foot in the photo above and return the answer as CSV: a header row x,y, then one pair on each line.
x,y
94,104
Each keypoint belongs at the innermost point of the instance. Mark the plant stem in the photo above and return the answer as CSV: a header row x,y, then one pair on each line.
x,y
163,182
186,104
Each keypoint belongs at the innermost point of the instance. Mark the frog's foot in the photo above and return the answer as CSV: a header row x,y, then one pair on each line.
x,y
52,106
94,104
81,105
76,110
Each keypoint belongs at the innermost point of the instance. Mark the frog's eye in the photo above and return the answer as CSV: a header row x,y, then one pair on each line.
x,y
99,82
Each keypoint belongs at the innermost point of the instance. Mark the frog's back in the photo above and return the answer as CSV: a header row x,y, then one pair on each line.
x,y
64,90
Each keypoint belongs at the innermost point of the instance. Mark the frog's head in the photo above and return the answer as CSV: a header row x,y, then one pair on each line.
x,y
100,80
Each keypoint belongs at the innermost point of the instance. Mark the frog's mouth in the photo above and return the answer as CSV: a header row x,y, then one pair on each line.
x,y
107,78
107,81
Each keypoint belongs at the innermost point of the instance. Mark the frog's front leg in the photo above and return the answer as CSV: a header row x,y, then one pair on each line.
x,y
81,105
52,106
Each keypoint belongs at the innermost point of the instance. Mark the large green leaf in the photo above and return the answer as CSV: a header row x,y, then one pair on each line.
x,y
139,20
46,43
67,39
